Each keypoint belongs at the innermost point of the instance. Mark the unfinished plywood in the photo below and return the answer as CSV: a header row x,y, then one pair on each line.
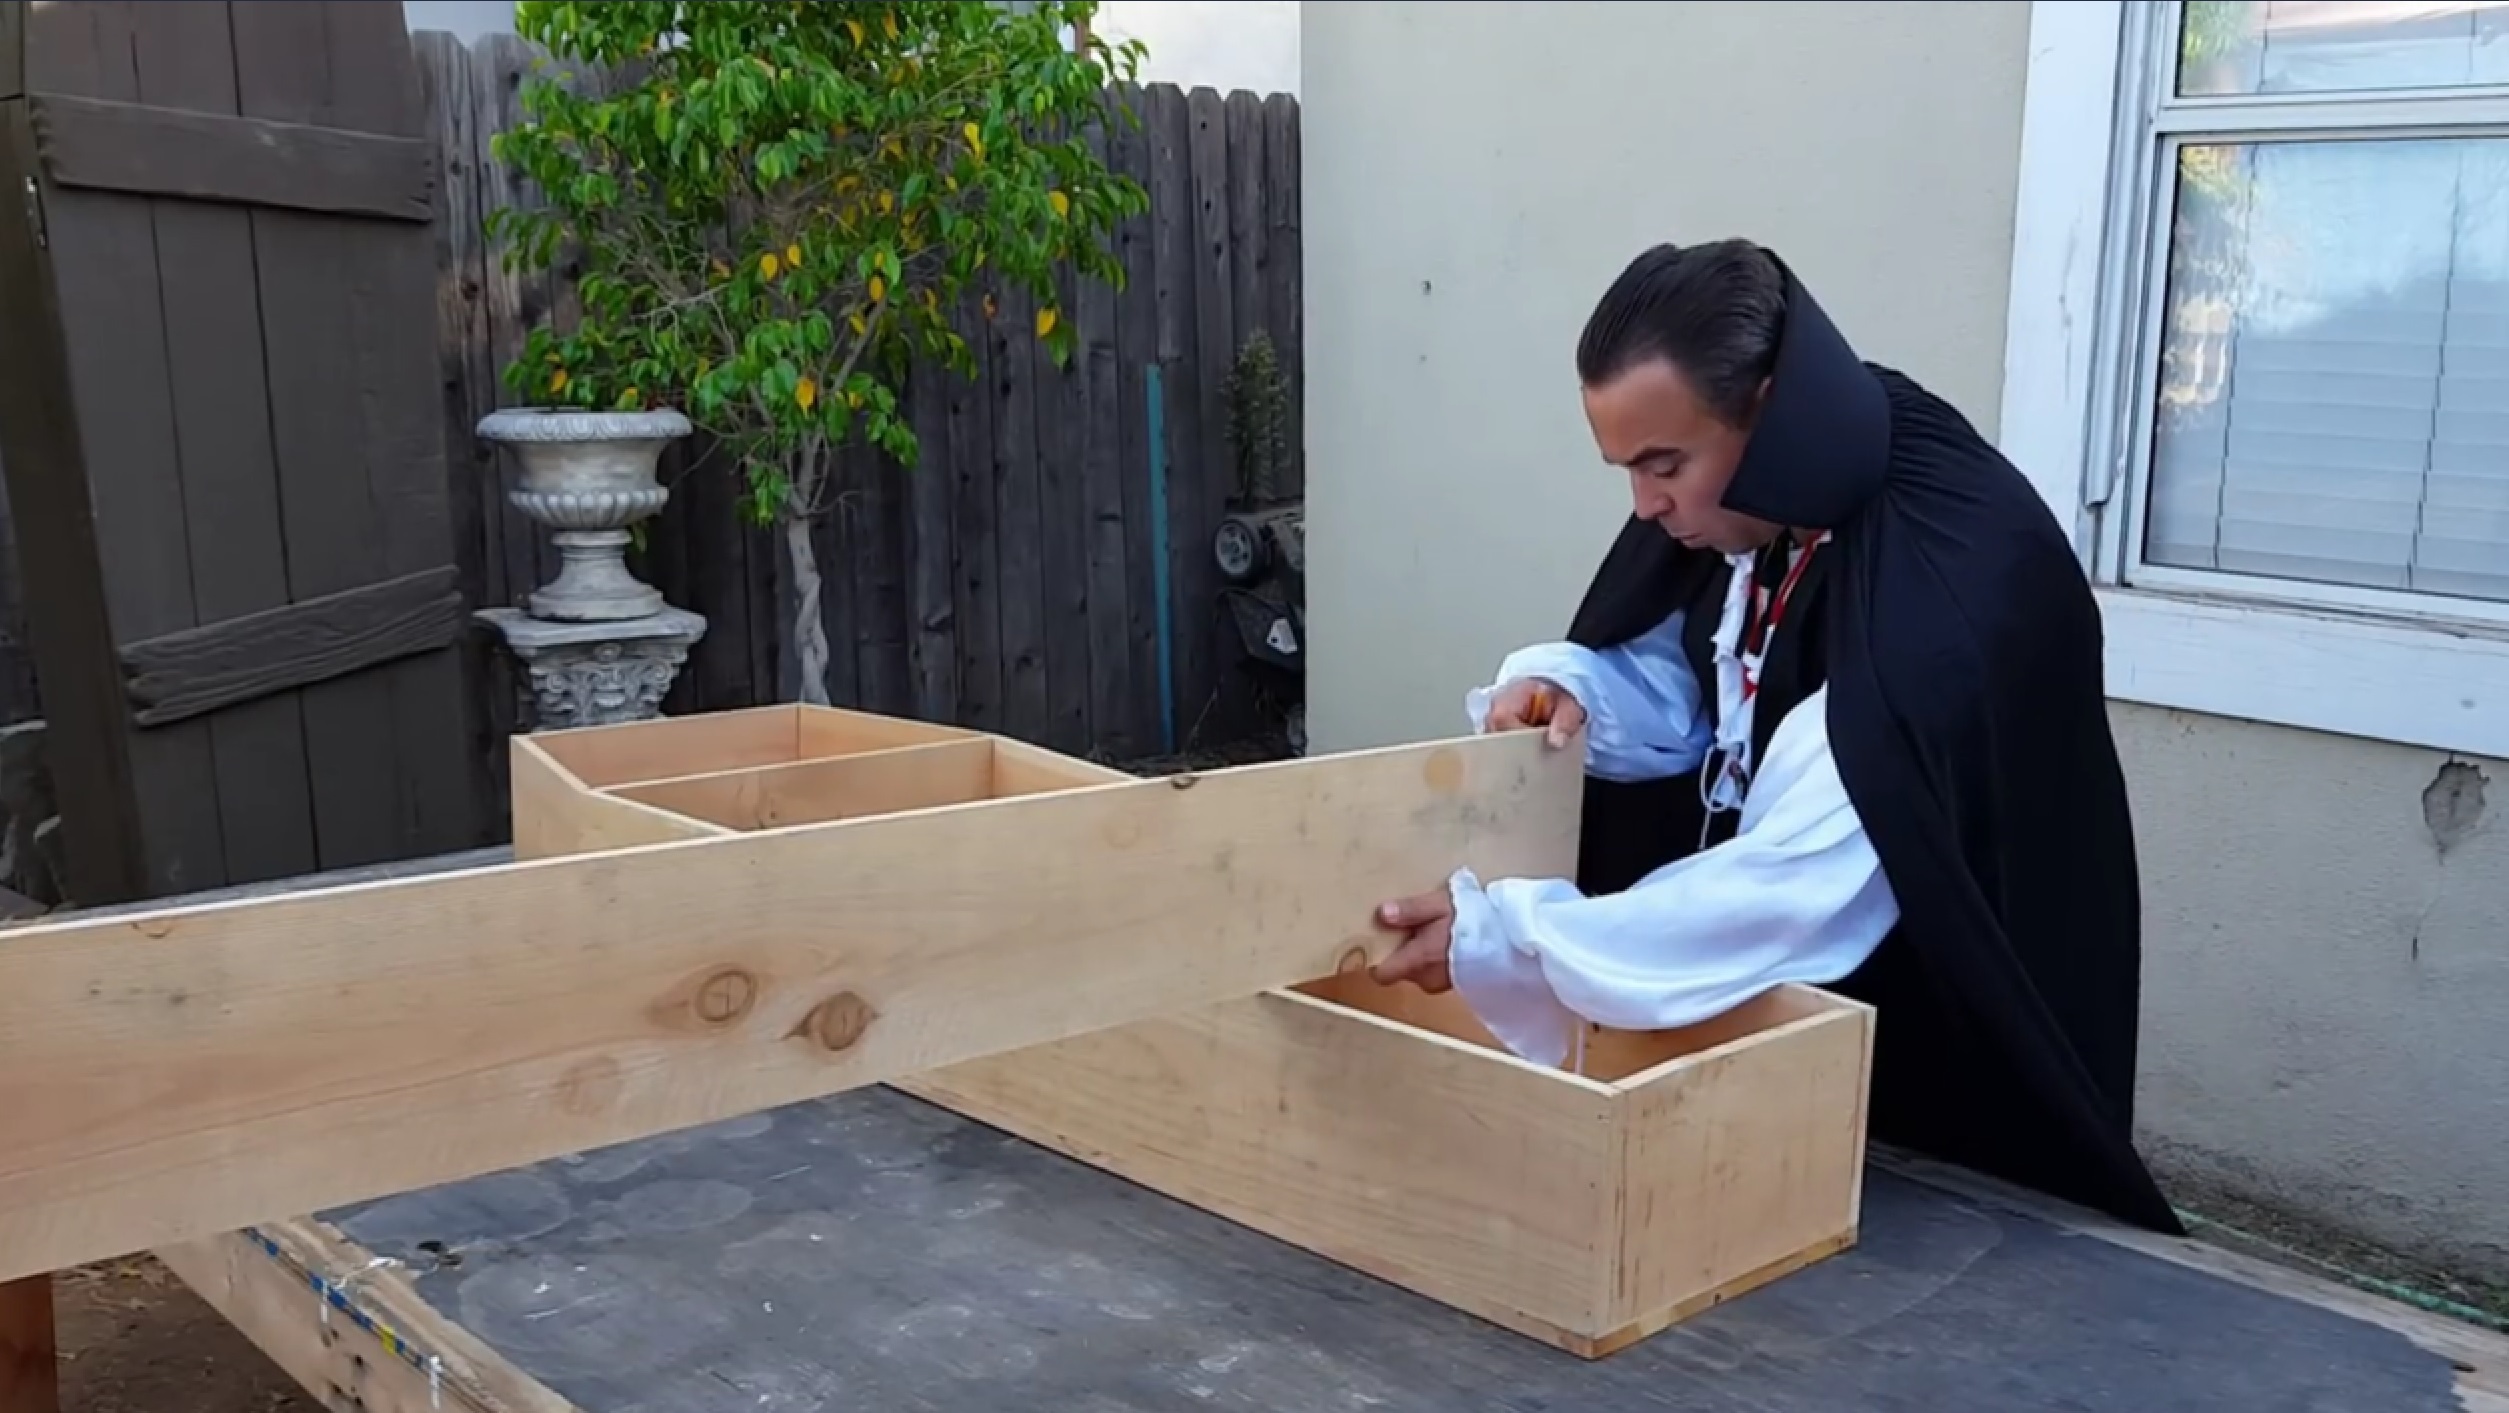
x,y
604,757
178,1073
556,815
832,787
1384,1127
1587,1210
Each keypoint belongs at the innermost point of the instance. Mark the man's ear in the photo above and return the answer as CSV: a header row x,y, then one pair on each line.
x,y
1759,401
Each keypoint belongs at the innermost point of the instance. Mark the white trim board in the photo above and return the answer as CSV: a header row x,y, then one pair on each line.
x,y
2421,682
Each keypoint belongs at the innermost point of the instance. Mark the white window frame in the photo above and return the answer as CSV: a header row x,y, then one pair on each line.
x,y
2078,335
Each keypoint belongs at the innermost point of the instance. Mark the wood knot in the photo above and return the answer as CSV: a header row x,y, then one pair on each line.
x,y
1444,771
591,1087
721,996
838,1022
725,996
1354,959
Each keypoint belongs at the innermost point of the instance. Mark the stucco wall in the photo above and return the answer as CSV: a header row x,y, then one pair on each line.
x,y
2324,982
2328,931
1476,174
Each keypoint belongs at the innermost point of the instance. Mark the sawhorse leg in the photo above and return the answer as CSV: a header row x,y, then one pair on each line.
x,y
30,1370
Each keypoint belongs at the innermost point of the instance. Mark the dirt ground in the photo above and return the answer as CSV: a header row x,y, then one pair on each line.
x,y
133,1339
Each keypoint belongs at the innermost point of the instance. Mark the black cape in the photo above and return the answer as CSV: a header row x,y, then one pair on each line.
x,y
1961,646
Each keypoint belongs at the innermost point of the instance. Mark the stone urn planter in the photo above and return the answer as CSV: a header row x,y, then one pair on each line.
x,y
588,476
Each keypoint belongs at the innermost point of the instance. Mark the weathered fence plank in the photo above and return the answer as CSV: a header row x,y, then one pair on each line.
x,y
972,477
931,551
1136,348
447,75
1093,414
1285,276
1202,494
1176,359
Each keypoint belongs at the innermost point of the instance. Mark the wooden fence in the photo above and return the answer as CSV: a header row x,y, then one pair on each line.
x,y
1044,572
1048,562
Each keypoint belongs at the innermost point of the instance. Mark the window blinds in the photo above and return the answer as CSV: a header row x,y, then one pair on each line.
x,y
2333,399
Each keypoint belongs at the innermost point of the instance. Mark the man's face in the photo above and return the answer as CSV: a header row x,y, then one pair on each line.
x,y
1679,456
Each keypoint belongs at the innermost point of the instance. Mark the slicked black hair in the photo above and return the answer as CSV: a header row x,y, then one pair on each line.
x,y
1713,311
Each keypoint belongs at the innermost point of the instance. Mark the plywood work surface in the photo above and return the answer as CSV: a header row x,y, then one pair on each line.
x,y
871,1251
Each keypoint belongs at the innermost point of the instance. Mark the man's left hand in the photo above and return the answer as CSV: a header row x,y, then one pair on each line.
x,y
1427,922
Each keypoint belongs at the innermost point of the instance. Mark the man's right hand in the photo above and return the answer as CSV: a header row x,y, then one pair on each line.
x,y
1531,702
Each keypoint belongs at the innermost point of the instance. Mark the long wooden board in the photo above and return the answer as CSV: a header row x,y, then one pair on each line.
x,y
181,1073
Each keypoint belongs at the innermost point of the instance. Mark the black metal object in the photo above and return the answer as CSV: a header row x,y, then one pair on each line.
x,y
1262,557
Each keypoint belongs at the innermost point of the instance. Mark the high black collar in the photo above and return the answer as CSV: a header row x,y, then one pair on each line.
x,y
1821,446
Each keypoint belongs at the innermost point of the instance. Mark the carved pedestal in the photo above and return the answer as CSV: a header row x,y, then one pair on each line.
x,y
597,646
597,674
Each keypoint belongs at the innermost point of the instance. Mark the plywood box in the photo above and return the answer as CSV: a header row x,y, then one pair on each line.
x,y
1379,1126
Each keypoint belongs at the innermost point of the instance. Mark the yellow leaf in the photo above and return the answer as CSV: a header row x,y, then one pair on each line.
x,y
879,289
1062,204
888,23
891,147
856,320
629,395
853,400
931,301
792,256
722,271
1045,321
557,381
806,393
854,28
847,183
975,139
888,203
768,265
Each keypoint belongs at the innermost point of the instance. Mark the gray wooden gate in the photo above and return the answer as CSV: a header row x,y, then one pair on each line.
x,y
221,426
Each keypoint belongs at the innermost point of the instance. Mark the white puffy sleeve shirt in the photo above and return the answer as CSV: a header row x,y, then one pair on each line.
x,y
1797,895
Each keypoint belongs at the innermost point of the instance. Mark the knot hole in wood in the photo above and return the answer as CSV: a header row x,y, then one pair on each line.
x,y
711,1000
726,996
838,1022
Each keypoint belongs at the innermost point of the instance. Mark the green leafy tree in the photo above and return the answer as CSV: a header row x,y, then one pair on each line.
x,y
775,207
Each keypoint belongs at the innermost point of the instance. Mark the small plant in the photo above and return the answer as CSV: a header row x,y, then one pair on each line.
x,y
775,206
1258,420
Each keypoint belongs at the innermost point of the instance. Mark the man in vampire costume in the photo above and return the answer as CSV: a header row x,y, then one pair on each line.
x,y
1838,684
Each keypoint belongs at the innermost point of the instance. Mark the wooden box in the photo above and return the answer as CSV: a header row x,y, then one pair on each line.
x,y
1380,1127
